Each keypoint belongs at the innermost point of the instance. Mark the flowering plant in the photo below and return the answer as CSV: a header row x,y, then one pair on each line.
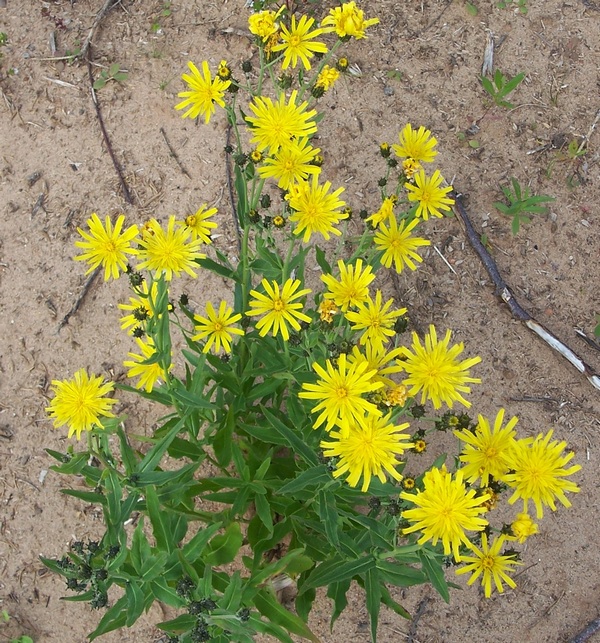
x,y
286,454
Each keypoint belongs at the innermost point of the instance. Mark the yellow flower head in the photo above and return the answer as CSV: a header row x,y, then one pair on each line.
x,y
522,527
278,308
435,370
486,452
398,245
80,403
375,319
431,197
316,210
169,252
352,287
327,77
327,309
385,212
141,308
416,145
378,359
291,164
298,43
204,92
445,510
396,395
370,448
275,124
410,167
340,392
149,373
490,565
348,21
106,246
199,225
264,24
217,328
539,471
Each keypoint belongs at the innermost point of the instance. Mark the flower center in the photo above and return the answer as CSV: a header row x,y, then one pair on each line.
x,y
278,305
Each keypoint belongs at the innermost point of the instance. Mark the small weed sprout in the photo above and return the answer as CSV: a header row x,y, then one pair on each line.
x,y
112,73
519,5
521,201
597,329
501,87
5,618
165,13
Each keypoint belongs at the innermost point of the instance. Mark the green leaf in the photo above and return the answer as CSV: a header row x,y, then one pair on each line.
x,y
433,567
179,625
114,618
223,439
190,400
304,603
153,566
140,547
334,570
165,593
217,268
472,9
263,509
153,457
193,549
512,84
373,592
294,441
114,494
87,496
329,517
337,592
487,85
399,574
241,189
266,603
99,83
223,548
232,595
313,477
160,521
135,602
130,461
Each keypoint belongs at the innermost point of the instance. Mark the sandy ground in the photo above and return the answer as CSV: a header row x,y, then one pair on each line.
x,y
420,65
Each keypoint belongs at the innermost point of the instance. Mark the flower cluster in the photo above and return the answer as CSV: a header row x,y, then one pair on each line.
x,y
288,387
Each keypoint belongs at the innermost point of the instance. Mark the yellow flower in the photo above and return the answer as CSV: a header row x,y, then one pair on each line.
x,y
378,359
486,453
490,565
431,197
445,510
141,307
396,395
80,403
205,92
217,327
327,77
275,124
149,373
398,245
385,212
277,307
352,287
106,246
370,448
316,210
264,24
416,145
435,370
327,309
538,473
348,21
298,42
340,392
291,164
522,527
410,167
199,225
376,319
169,252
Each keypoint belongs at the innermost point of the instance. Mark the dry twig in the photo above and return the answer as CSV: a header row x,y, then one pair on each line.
x,y
585,634
509,299
87,43
412,632
124,187
84,291
173,153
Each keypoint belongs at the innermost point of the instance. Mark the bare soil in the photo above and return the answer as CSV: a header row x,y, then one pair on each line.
x,y
55,171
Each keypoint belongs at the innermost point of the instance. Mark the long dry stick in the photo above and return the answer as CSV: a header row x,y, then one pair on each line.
x,y
591,629
509,299
84,291
108,5
124,187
